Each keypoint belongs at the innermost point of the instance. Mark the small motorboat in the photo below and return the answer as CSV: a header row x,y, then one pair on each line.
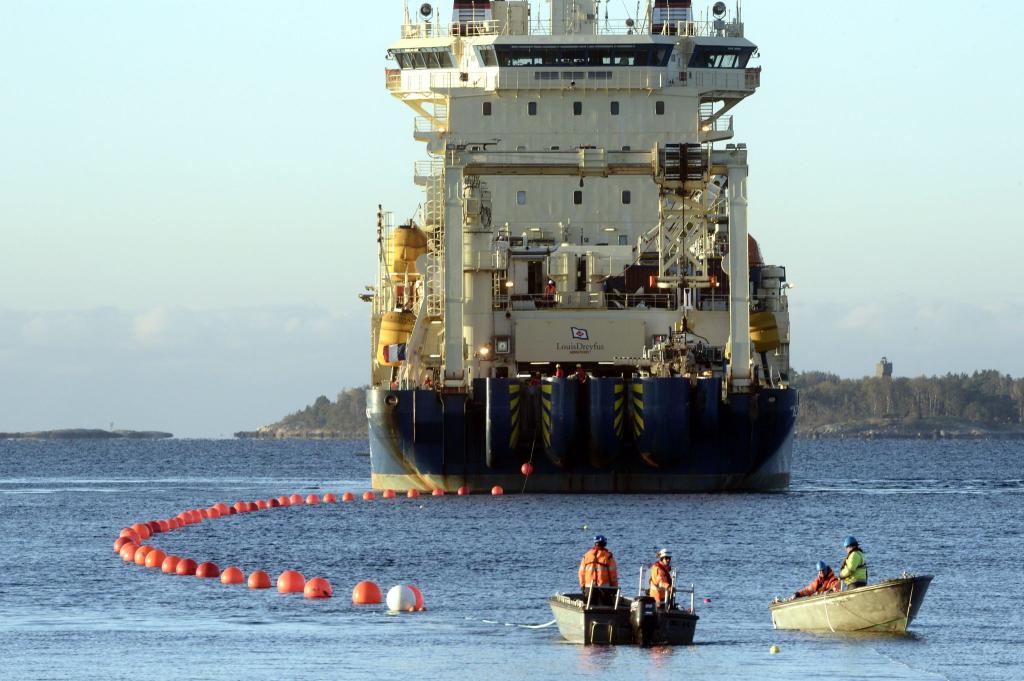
x,y
888,606
605,616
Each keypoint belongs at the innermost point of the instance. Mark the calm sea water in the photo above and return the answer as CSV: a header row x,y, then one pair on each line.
x,y
70,609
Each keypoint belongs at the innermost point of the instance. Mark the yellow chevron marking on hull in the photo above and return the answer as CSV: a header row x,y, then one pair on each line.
x,y
638,403
546,389
619,387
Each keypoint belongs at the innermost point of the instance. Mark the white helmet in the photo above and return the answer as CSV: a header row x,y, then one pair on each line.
x,y
664,553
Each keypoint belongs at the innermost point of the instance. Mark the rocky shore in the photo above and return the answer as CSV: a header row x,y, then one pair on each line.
x,y
914,429
87,434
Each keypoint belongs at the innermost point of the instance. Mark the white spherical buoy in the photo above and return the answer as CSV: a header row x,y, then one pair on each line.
x,y
401,599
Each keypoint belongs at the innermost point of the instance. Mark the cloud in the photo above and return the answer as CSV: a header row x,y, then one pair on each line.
x,y
866,316
150,328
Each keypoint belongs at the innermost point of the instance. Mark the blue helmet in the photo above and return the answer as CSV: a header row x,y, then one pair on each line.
x,y
600,540
850,541
821,566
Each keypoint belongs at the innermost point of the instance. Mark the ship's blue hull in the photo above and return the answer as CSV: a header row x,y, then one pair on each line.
x,y
606,435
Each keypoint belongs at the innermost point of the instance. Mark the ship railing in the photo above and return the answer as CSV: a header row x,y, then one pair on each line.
x,y
417,80
428,29
567,300
695,29
724,79
720,124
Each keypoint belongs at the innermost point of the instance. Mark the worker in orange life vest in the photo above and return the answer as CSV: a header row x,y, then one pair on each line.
x,y
661,579
825,582
598,566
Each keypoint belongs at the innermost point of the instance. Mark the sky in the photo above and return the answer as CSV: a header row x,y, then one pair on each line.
x,y
188,193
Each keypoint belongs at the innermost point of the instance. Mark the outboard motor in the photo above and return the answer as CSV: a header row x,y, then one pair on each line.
x,y
643,618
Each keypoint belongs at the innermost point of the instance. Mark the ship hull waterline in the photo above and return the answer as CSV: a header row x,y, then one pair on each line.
x,y
423,440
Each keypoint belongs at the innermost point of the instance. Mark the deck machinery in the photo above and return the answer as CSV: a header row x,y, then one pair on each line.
x,y
578,290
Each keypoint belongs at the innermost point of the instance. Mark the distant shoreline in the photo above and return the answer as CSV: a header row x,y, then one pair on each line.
x,y
87,434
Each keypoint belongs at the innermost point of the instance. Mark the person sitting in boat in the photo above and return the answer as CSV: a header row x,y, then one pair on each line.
x,y
825,582
661,579
598,566
854,571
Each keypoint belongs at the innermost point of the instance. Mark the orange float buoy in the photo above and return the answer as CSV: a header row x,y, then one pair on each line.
x,y
273,503
438,492
368,496
232,575
348,496
419,596
240,507
221,507
252,507
155,558
497,491
127,552
295,499
170,564
388,494
121,541
366,593
262,505
330,498
284,501
154,527
165,525
197,516
313,499
141,553
131,534
207,570
142,530
463,491
186,567
526,468
204,513
318,587
412,494
212,513
291,581
259,580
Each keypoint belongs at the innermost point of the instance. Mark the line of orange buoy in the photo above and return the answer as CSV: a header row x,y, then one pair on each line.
x,y
130,546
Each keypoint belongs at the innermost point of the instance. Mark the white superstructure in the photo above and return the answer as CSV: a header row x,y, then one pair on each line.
x,y
581,202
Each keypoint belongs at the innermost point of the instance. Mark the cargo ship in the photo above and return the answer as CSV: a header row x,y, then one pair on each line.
x,y
577,305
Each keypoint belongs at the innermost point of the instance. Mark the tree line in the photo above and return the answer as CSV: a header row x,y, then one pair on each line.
x,y
984,396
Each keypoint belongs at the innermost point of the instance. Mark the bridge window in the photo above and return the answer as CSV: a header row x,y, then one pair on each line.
x,y
582,55
531,108
615,108
659,108
487,56
577,197
623,240
720,57
426,58
577,108
521,198
627,197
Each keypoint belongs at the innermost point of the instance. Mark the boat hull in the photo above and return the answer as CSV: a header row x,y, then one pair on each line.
x,y
889,606
606,625
600,437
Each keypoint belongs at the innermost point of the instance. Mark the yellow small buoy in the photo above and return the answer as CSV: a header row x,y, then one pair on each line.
x,y
773,650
